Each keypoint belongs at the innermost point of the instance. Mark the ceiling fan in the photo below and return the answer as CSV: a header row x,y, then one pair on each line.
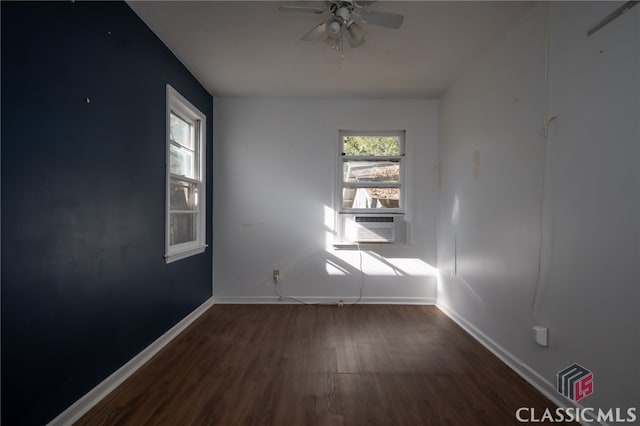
x,y
345,21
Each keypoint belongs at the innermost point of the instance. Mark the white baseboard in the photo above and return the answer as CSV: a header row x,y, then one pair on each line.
x,y
244,300
95,395
531,376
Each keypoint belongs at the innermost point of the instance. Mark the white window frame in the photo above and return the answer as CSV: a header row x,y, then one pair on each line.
x,y
180,106
342,158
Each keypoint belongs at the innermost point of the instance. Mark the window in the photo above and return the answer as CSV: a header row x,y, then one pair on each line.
x,y
186,203
371,172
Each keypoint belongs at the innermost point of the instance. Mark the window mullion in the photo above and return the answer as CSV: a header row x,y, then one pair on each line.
x,y
184,178
180,146
371,158
371,184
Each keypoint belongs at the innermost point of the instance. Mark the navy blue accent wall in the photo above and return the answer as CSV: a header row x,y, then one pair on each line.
x,y
84,283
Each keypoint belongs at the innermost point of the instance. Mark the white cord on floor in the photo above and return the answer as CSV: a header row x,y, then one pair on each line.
x,y
339,303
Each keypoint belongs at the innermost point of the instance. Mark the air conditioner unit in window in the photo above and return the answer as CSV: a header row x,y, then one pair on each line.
x,y
371,229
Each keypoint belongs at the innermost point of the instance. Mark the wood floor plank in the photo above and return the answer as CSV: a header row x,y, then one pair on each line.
x,y
320,365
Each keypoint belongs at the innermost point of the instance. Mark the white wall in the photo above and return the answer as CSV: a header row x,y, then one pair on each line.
x,y
275,165
590,277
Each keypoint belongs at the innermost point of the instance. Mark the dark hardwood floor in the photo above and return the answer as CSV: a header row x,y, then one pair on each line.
x,y
320,365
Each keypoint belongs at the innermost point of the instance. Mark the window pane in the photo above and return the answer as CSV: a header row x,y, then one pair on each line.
x,y
371,171
182,228
370,198
181,162
183,195
180,131
371,145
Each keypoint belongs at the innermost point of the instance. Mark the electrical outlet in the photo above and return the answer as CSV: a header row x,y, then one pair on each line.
x,y
340,303
276,276
541,335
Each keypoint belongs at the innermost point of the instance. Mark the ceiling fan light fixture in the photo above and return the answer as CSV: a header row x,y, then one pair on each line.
x,y
343,13
356,34
349,19
334,27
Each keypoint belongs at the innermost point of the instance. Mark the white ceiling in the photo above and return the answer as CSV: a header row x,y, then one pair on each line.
x,y
247,48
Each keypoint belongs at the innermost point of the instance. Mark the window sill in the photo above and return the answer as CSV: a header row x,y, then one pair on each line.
x,y
169,258
366,246
373,212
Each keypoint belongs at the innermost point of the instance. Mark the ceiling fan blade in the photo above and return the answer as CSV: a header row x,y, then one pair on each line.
x,y
316,33
301,8
382,19
363,3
